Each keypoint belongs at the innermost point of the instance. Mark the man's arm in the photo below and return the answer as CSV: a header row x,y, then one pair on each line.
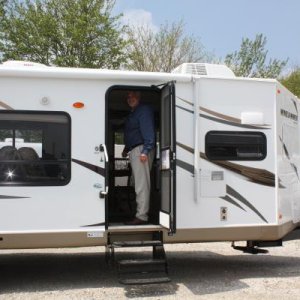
x,y
146,122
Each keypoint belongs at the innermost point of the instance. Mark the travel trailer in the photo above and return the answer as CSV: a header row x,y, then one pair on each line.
x,y
226,168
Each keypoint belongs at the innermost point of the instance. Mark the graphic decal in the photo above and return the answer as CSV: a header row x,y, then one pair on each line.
x,y
188,110
94,225
284,148
230,200
221,118
185,147
6,106
185,101
295,169
89,166
295,104
239,197
12,197
185,166
286,152
259,176
231,123
280,185
287,114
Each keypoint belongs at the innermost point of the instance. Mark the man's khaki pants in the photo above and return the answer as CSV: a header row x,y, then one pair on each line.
x,y
142,184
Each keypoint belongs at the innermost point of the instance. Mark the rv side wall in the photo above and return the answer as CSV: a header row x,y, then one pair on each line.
x,y
239,192
75,205
288,154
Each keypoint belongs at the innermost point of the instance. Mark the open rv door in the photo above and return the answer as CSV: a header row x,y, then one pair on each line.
x,y
167,211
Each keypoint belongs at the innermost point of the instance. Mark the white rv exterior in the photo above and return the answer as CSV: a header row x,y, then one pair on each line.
x,y
235,191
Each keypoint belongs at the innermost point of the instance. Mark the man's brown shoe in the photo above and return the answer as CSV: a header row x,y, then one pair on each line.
x,y
136,221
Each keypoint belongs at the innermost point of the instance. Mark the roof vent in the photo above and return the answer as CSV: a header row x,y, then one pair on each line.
x,y
21,63
203,69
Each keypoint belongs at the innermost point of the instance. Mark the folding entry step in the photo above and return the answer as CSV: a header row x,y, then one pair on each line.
x,y
149,270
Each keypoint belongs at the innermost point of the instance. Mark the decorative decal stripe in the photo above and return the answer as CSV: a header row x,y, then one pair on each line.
x,y
231,123
187,148
221,116
280,185
185,101
89,166
295,169
12,197
259,176
185,166
94,225
230,200
286,152
284,148
188,110
239,197
6,106
295,104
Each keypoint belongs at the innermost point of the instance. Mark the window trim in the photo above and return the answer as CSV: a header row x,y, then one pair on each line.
x,y
68,161
245,133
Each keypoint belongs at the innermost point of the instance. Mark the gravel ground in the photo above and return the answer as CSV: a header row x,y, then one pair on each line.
x,y
198,271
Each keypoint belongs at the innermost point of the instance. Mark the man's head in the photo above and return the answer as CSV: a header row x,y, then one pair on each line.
x,y
133,99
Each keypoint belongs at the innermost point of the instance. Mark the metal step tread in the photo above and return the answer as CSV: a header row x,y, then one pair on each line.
x,y
131,262
136,243
151,280
119,228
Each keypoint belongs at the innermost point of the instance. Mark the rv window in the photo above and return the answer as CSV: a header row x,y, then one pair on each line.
x,y
235,145
34,148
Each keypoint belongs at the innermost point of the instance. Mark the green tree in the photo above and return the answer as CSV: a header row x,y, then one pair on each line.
x,y
2,12
2,5
292,82
251,60
73,33
163,50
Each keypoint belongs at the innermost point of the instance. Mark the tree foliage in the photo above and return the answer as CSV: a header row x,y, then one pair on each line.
x,y
73,33
163,50
251,60
2,5
2,12
292,82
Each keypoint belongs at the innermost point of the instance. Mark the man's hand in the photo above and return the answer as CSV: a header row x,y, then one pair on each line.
x,y
143,158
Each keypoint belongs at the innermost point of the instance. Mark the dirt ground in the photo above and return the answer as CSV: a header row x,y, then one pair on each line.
x,y
197,271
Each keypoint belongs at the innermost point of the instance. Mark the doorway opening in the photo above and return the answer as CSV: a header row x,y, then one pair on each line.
x,y
121,205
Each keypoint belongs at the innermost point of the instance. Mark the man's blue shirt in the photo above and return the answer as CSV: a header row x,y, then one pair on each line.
x,y
139,129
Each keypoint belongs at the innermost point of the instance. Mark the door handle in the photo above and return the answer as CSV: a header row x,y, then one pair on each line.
x,y
104,149
104,193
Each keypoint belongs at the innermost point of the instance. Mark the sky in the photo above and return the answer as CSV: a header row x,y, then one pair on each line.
x,y
220,25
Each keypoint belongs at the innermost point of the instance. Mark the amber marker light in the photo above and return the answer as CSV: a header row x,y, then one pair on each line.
x,y
78,105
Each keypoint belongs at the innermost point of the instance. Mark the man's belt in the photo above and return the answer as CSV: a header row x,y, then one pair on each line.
x,y
132,147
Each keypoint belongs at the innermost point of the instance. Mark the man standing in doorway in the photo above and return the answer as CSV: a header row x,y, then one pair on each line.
x,y
139,136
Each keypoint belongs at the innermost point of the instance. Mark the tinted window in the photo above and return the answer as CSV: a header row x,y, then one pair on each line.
x,y
165,123
235,145
34,148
